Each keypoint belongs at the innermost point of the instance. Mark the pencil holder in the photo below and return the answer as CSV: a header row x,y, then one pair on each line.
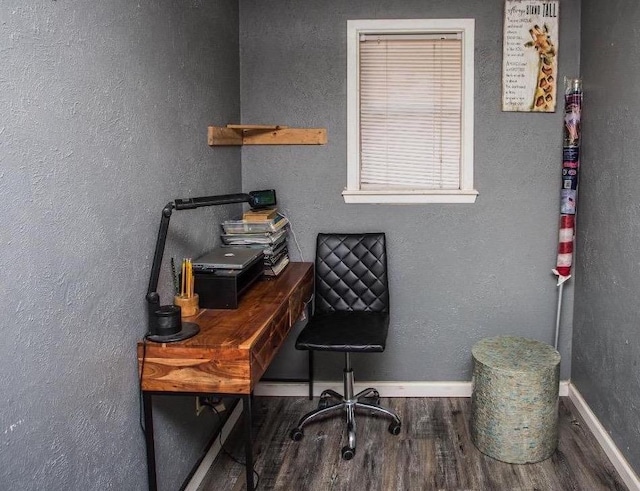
x,y
188,305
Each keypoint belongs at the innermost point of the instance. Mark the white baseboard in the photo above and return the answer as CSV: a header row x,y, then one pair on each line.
x,y
214,450
627,474
386,389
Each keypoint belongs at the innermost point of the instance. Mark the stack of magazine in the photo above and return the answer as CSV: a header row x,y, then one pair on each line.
x,y
261,229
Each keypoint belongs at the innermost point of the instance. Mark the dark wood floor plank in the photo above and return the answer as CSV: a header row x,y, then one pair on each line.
x,y
374,443
434,451
468,464
579,449
304,468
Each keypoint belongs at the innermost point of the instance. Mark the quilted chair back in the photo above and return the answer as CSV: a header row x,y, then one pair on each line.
x,y
351,273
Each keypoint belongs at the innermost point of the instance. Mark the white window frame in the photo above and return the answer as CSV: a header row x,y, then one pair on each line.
x,y
353,192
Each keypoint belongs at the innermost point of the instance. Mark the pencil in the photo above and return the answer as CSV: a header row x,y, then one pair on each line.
x,y
188,292
184,278
190,278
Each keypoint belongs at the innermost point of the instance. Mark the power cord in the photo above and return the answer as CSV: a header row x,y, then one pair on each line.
x,y
144,355
206,402
293,234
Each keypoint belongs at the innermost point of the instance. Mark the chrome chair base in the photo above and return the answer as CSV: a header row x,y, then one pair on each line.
x,y
332,402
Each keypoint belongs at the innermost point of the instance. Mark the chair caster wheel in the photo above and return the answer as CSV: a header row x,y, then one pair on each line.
x,y
296,434
394,428
348,453
375,398
323,403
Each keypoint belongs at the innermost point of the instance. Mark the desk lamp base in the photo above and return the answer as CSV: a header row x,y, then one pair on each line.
x,y
167,326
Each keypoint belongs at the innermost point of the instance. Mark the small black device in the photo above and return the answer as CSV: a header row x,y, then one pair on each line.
x,y
263,199
222,288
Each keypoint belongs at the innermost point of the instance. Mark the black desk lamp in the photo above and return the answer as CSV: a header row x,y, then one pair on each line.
x,y
165,322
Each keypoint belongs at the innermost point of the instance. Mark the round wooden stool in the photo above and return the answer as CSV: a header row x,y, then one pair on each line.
x,y
514,407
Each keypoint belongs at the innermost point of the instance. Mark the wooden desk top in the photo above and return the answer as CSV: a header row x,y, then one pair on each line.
x,y
234,347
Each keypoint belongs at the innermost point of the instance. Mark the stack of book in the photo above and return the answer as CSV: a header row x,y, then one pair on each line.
x,y
262,229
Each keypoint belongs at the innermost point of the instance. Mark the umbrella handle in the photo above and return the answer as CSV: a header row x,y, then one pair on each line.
x,y
558,313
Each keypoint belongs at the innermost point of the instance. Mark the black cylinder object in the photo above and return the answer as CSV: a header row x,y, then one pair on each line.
x,y
168,320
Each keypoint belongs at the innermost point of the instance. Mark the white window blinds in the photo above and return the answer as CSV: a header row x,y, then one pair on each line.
x,y
410,111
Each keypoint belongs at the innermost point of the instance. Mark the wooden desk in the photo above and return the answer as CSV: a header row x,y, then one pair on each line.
x,y
230,353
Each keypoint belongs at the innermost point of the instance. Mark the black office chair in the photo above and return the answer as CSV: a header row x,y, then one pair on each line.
x,y
351,315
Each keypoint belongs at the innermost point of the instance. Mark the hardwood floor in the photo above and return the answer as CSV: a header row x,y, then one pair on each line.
x,y
433,452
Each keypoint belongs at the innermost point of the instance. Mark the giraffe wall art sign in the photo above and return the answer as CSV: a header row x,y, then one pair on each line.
x,y
530,56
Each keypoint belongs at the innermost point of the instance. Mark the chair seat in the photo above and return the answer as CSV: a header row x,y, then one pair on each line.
x,y
345,331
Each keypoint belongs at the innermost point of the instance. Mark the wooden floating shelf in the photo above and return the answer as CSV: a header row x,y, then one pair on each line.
x,y
257,134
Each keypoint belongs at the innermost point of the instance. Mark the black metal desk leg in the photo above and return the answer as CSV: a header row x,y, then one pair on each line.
x,y
310,375
148,436
248,441
309,308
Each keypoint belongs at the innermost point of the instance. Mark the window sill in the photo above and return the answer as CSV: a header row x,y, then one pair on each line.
x,y
408,197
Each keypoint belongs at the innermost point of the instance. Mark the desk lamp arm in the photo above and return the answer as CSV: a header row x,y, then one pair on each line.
x,y
225,199
153,298
152,294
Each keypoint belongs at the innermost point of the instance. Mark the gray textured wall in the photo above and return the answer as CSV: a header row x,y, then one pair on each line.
x,y
606,337
459,273
104,112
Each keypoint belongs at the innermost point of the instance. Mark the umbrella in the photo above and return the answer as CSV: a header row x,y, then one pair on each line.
x,y
569,191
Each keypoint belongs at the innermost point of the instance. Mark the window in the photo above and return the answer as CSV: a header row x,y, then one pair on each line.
x,y
410,111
